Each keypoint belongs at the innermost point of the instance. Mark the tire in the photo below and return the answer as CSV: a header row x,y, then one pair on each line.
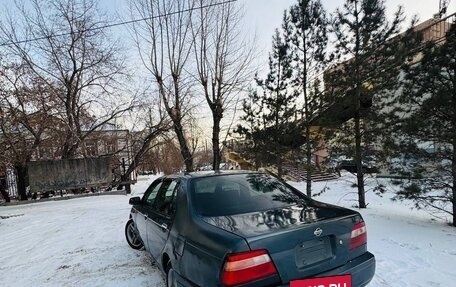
x,y
170,276
132,235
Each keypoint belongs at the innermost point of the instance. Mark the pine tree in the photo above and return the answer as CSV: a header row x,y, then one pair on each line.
x,y
308,43
252,129
369,71
278,98
428,131
269,116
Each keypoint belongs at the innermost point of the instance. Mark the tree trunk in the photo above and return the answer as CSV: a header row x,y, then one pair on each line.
x,y
278,153
126,178
185,151
69,149
454,185
279,166
306,108
308,162
22,181
453,157
145,145
453,174
358,148
216,141
358,161
4,192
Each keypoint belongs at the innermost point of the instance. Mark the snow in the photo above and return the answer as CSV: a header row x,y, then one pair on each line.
x,y
80,242
77,242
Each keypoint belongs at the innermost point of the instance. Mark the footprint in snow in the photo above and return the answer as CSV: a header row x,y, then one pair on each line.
x,y
404,245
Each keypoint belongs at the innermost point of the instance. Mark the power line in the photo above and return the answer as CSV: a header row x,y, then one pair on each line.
x,y
10,43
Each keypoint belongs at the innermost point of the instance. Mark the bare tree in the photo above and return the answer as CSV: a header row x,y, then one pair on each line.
x,y
147,140
26,107
164,42
223,60
63,44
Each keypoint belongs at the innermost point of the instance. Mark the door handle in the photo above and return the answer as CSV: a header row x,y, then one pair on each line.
x,y
164,226
145,217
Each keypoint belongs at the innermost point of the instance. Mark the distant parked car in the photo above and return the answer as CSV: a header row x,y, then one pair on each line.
x,y
247,229
350,166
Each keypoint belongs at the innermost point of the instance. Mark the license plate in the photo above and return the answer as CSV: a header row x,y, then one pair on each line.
x,y
332,281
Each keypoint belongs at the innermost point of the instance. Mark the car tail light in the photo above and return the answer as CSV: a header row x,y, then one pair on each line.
x,y
358,235
245,267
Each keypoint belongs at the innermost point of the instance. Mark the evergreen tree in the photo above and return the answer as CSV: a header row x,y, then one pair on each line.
x,y
252,129
368,74
428,131
308,43
269,116
278,98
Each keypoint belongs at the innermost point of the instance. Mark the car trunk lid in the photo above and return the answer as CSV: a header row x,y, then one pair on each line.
x,y
302,240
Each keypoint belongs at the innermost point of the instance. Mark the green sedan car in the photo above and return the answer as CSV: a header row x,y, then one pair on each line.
x,y
247,229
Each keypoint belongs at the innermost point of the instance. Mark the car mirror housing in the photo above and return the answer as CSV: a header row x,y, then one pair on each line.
x,y
135,200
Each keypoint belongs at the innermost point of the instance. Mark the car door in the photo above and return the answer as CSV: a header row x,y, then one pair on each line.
x,y
144,209
160,217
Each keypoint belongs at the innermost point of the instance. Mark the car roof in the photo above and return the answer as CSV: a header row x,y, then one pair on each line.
x,y
198,174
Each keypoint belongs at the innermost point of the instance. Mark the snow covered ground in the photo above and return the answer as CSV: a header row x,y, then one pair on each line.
x,y
77,242
80,242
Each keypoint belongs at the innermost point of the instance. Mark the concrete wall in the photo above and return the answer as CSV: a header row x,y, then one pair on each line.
x,y
67,174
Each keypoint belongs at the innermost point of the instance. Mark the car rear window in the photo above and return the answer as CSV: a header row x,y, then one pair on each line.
x,y
241,193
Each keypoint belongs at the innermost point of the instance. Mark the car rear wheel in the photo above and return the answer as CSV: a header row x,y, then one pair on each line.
x,y
132,235
170,276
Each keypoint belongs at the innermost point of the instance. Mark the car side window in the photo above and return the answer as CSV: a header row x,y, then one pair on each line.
x,y
151,193
165,201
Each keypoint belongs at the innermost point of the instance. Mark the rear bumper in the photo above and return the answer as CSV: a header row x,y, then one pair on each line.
x,y
361,268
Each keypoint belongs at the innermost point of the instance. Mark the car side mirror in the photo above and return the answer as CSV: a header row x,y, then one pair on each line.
x,y
135,200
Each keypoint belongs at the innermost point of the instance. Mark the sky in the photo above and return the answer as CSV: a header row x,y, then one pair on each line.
x,y
262,17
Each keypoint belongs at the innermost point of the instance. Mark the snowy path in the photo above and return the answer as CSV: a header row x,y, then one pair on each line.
x,y
80,242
